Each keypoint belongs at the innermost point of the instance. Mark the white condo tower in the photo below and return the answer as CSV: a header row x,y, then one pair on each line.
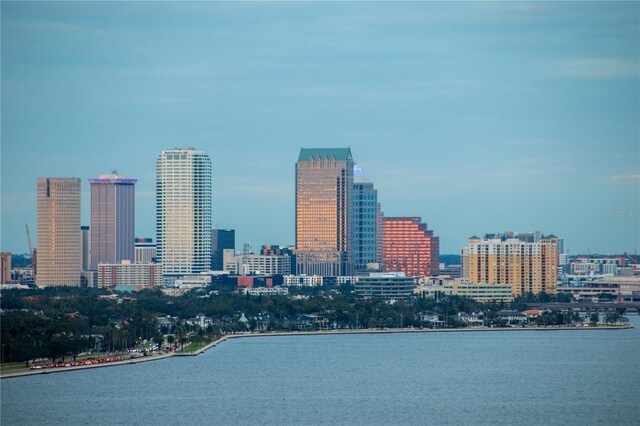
x,y
183,211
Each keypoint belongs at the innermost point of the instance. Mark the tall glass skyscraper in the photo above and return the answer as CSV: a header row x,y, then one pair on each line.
x,y
366,228
183,211
112,219
324,183
59,235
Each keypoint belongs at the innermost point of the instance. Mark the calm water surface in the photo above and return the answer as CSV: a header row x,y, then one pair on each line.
x,y
528,377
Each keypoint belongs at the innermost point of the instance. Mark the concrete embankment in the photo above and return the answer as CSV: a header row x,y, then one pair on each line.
x,y
20,373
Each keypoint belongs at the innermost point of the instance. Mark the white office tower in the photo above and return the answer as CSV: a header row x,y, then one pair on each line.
x,y
183,211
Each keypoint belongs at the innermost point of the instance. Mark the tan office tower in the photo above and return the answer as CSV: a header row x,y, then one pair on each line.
x,y
324,181
59,237
528,267
5,268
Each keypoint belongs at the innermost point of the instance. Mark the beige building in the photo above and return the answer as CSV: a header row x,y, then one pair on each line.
x,y
138,275
59,234
436,287
624,289
5,270
267,264
528,267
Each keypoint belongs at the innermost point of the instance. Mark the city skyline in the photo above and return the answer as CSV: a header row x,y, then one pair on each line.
x,y
528,112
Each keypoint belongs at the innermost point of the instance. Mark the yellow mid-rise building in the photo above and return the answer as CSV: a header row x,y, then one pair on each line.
x,y
528,267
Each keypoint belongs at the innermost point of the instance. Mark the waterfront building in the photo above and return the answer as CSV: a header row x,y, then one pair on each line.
x,y
125,273
481,292
112,219
365,217
324,182
221,239
145,250
247,264
5,267
200,321
437,287
528,267
512,317
59,237
408,246
183,211
384,285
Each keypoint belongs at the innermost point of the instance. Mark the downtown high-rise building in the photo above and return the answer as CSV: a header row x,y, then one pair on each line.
x,y
221,239
183,211
324,184
409,246
146,251
527,265
365,220
59,234
112,219
5,267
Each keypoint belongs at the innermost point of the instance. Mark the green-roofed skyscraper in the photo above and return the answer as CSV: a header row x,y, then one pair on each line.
x,y
324,182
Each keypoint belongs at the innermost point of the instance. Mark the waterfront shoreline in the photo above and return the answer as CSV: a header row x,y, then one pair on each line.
x,y
22,373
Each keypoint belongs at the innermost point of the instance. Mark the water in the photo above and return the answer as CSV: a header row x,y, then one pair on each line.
x,y
547,377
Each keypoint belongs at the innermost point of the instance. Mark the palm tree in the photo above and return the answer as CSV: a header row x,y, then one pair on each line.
x,y
159,339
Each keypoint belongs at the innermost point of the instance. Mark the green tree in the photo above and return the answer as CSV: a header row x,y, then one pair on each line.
x,y
612,318
158,339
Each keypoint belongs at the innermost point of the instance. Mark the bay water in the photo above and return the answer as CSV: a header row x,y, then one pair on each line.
x,y
460,378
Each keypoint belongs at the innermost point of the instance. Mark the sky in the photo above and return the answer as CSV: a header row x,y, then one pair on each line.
x,y
478,117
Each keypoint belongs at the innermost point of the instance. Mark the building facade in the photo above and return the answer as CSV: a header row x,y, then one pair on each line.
x,y
59,236
265,291
365,223
249,264
437,287
409,247
384,285
324,182
145,250
85,232
183,211
528,267
141,275
5,267
302,280
112,219
221,239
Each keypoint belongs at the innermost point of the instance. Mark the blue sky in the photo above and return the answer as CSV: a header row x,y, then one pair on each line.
x,y
479,117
